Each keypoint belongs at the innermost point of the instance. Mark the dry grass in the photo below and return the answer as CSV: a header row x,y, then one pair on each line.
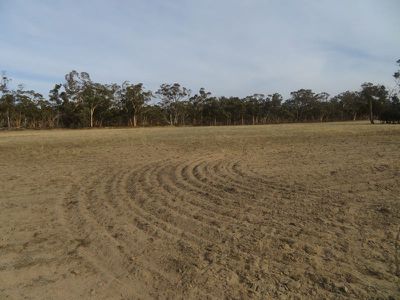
x,y
239,212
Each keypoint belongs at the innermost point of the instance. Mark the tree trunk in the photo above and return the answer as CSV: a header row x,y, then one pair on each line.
x,y
134,120
8,119
371,116
91,116
176,119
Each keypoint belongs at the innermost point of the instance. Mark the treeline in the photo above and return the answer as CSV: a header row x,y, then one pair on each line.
x,y
80,102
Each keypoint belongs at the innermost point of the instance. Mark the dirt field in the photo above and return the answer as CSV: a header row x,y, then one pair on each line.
x,y
279,211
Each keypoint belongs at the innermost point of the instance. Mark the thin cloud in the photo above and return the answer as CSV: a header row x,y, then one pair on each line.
x,y
229,47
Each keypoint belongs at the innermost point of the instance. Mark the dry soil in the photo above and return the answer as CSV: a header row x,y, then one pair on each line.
x,y
279,211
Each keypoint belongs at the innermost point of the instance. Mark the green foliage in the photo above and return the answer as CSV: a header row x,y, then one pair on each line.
x,y
171,95
134,99
80,102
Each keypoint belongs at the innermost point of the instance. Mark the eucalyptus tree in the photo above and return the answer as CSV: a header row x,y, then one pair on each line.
x,y
391,112
97,97
7,99
197,105
254,107
396,75
79,102
320,106
67,109
273,107
134,98
300,103
154,116
212,111
375,97
89,95
56,102
48,114
75,84
171,95
27,111
350,104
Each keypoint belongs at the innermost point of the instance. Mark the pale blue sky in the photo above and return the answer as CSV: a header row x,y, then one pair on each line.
x,y
230,47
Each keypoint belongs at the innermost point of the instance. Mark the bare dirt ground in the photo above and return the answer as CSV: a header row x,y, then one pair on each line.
x,y
280,211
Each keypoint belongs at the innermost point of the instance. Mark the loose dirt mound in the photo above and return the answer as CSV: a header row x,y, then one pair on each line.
x,y
245,212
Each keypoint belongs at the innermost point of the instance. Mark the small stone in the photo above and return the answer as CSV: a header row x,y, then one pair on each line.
x,y
75,272
209,256
309,250
232,279
286,247
293,285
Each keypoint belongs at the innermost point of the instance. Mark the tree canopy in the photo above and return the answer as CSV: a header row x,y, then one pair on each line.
x,y
80,102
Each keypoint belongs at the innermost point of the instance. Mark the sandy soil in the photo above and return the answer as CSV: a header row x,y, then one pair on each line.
x,y
280,211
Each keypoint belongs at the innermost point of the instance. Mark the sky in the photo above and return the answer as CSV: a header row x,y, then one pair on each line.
x,y
229,47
